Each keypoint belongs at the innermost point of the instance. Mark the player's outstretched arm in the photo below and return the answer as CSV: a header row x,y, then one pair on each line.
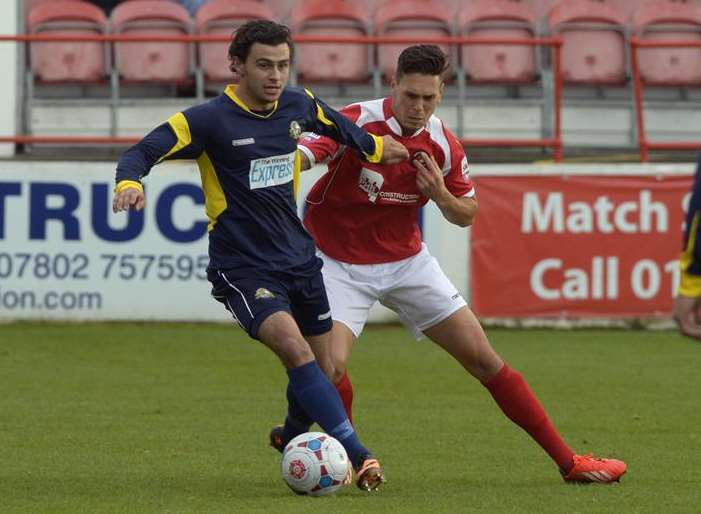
x,y
173,139
429,180
333,124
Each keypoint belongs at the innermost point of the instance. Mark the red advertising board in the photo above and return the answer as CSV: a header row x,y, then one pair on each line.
x,y
577,246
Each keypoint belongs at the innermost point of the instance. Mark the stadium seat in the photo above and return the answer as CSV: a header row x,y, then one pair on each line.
x,y
152,61
222,17
331,62
409,19
498,63
68,61
31,4
281,8
666,20
594,33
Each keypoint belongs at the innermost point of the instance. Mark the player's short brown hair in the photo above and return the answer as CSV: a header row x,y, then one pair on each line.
x,y
266,32
423,59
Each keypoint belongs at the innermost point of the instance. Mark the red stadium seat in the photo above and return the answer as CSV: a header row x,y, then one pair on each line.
x,y
281,8
31,4
665,20
593,31
152,61
222,17
67,61
411,19
331,62
498,63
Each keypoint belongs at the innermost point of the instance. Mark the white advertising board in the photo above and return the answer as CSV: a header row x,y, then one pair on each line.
x,y
65,255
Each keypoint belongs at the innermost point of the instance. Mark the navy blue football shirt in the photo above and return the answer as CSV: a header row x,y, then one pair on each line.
x,y
247,162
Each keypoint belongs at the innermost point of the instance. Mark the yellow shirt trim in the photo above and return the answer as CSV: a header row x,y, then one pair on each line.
x,y
230,91
689,285
214,198
127,184
297,170
179,124
379,149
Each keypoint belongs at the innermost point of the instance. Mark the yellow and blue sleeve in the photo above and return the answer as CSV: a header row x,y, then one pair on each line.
x,y
333,124
171,140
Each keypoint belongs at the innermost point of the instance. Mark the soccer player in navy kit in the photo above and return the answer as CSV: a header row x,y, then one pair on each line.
x,y
263,266
687,303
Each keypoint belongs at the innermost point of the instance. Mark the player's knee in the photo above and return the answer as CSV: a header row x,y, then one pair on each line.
x,y
338,371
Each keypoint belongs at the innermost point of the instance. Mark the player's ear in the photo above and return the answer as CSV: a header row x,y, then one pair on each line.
x,y
393,82
236,66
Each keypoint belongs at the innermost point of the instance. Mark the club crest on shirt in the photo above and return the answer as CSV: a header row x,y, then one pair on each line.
x,y
262,292
370,182
295,130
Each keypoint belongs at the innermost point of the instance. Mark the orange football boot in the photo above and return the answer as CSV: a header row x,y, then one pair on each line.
x,y
588,469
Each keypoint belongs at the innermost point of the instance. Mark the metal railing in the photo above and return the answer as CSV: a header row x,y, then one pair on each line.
x,y
644,144
553,142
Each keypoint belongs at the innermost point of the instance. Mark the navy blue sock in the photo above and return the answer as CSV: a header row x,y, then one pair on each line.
x,y
319,399
297,420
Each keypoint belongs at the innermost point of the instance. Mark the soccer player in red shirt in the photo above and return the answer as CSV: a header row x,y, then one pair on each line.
x,y
364,220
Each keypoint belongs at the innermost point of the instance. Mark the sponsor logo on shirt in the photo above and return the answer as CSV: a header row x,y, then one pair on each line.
x,y
399,197
465,167
370,182
271,171
243,142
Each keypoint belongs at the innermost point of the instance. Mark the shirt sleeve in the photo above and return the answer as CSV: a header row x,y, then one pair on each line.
x,y
458,179
174,139
320,148
331,123
690,259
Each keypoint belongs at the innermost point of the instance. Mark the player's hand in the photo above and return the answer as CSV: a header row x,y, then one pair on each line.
x,y
129,198
393,152
687,314
429,177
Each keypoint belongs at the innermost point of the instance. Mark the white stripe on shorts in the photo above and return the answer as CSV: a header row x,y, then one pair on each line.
x,y
232,286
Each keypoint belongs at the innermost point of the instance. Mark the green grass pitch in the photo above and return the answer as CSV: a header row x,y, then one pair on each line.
x,y
154,418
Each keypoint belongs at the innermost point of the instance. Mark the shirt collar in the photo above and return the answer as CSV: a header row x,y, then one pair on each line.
x,y
230,91
392,122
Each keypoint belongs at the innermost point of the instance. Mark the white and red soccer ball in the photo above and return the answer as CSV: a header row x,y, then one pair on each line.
x,y
314,463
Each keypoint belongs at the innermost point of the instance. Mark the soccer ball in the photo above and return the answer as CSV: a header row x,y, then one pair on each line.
x,y
314,463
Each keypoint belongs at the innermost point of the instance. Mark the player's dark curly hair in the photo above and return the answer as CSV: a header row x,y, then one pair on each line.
x,y
266,32
423,59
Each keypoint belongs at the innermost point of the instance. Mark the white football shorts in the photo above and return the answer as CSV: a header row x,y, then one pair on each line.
x,y
415,288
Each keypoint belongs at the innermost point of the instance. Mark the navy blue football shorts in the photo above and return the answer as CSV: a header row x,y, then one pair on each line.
x,y
252,297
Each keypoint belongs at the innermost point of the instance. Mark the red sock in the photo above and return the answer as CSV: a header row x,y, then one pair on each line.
x,y
345,391
517,401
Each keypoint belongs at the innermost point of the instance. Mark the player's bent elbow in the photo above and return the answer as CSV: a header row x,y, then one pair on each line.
x,y
468,219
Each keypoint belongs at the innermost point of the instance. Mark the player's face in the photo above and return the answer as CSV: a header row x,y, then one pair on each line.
x,y
264,74
414,98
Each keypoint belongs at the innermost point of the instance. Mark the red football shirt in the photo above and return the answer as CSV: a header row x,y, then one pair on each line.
x,y
363,213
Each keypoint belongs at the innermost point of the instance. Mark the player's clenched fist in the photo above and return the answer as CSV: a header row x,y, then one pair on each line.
x,y
429,178
130,198
393,151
